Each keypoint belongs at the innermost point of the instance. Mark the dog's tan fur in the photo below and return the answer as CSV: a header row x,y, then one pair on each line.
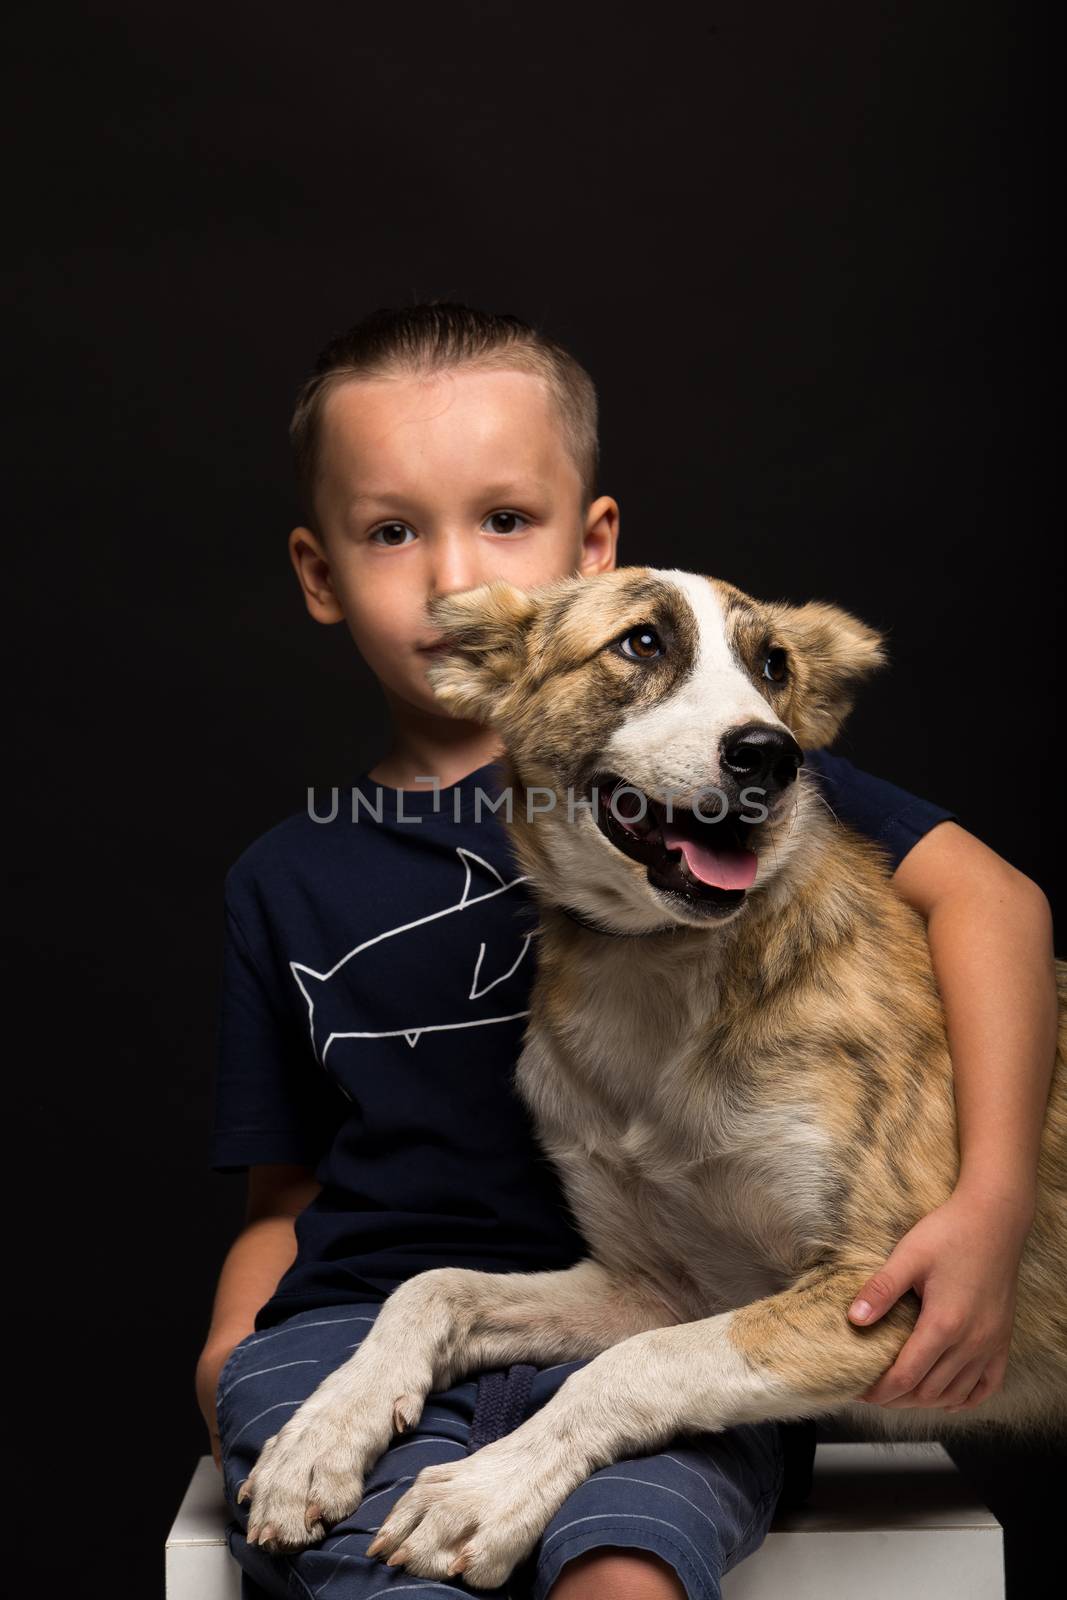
x,y
747,1114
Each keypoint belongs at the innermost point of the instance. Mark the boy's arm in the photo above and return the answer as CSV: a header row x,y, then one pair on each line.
x,y
990,934
263,1249
261,1253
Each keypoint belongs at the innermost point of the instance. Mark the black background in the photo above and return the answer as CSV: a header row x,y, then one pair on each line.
x,y
801,248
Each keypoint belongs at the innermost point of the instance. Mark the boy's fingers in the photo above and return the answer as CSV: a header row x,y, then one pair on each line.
x,y
981,1391
913,1363
880,1292
939,1377
962,1385
989,1382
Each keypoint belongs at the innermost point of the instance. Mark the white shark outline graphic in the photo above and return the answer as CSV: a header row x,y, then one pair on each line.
x,y
307,979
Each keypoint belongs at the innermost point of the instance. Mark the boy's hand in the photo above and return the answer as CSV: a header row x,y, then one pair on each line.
x,y
211,1362
962,1260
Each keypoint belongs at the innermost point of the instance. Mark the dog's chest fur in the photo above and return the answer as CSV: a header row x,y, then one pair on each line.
x,y
677,1172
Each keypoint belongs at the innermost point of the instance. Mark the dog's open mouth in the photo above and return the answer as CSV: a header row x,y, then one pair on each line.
x,y
710,861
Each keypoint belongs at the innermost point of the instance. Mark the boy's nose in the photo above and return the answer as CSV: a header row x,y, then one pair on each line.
x,y
455,568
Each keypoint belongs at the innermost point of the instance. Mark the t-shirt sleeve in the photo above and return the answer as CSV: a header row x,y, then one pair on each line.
x,y
889,816
273,1101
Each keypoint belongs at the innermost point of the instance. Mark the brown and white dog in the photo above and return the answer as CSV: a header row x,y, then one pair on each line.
x,y
748,1092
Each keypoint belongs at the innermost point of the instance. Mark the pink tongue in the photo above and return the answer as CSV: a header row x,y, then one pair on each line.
x,y
721,869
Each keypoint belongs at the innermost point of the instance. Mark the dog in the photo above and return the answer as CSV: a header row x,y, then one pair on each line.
x,y
736,1058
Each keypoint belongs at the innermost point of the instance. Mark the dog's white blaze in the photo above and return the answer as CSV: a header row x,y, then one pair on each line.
x,y
675,745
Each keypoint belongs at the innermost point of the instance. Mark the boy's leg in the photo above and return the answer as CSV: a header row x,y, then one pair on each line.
x,y
434,1330
266,1378
617,1574
715,1491
699,1505
621,1574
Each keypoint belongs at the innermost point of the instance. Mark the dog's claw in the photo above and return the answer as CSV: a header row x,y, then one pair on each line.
x,y
398,1556
244,1493
406,1408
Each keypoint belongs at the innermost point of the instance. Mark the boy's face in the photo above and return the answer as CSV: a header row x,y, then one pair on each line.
x,y
429,486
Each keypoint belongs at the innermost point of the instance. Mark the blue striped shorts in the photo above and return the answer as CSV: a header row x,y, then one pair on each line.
x,y
702,1505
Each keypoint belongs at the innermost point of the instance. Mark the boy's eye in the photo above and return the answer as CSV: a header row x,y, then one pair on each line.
x,y
642,644
392,533
776,666
506,522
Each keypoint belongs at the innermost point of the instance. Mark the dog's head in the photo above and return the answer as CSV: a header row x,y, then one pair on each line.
x,y
656,721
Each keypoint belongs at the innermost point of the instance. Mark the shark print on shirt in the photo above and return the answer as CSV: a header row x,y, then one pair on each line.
x,y
468,968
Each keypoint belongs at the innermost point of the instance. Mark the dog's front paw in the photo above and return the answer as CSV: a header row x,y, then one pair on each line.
x,y
310,1475
476,1517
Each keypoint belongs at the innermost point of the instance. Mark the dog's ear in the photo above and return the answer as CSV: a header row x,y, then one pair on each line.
x,y
486,631
830,652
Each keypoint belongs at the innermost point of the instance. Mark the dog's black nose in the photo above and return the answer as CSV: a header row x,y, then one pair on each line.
x,y
764,757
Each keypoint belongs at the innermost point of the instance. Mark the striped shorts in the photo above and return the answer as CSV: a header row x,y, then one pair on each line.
x,y
701,1505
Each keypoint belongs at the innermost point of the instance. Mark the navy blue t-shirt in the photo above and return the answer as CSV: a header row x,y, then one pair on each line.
x,y
376,988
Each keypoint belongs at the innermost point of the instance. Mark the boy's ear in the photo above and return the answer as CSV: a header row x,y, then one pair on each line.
x,y
486,630
830,652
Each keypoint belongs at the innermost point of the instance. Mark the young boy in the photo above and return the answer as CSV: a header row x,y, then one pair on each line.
x,y
376,986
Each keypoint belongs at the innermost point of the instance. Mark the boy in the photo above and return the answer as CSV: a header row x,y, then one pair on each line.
x,y
377,980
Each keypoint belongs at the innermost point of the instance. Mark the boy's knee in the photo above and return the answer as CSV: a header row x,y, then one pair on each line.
x,y
617,1573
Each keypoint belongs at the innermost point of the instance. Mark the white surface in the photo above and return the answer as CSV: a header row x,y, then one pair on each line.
x,y
883,1522
199,1566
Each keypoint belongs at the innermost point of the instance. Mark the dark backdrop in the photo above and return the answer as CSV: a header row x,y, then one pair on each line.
x,y
800,247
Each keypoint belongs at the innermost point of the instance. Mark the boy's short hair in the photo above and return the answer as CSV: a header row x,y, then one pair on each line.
x,y
433,337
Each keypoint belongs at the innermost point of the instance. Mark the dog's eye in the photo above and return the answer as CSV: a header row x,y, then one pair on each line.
x,y
776,666
642,644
